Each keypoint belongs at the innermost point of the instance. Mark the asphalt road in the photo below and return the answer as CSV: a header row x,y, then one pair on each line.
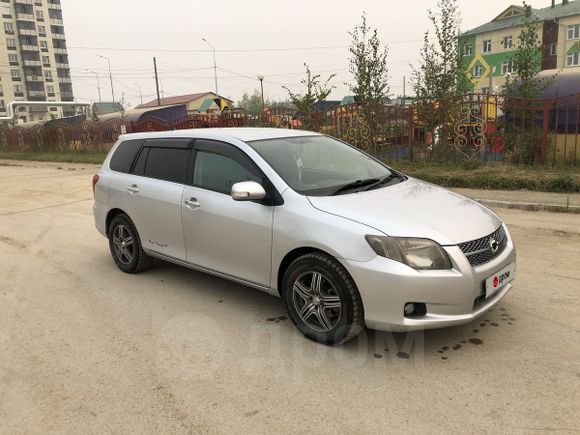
x,y
85,348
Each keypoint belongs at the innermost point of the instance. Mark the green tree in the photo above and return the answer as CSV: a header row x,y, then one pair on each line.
x,y
527,60
368,64
440,74
315,91
252,103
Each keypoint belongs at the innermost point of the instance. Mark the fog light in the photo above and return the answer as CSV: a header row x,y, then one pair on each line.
x,y
415,309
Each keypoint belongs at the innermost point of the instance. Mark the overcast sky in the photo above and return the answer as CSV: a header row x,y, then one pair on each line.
x,y
277,36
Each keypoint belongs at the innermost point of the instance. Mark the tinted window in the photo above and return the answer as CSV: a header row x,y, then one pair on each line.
x,y
219,173
139,168
124,155
168,164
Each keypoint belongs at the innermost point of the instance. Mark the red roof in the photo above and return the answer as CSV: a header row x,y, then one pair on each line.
x,y
171,101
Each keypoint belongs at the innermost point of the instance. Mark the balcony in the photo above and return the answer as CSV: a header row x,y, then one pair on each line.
x,y
24,17
62,65
24,2
32,63
65,79
56,21
66,96
59,36
56,6
60,51
27,32
33,79
29,48
37,94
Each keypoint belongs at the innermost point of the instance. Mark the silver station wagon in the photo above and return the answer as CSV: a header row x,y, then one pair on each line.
x,y
343,239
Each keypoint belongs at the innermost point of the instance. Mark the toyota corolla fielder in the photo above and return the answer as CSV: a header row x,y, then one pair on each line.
x,y
344,240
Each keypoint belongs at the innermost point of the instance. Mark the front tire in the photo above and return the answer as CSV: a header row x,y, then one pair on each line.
x,y
125,246
322,299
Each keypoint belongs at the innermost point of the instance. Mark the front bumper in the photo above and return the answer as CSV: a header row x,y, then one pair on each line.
x,y
452,297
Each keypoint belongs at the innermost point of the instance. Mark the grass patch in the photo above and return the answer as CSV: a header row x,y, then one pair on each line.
x,y
494,176
67,157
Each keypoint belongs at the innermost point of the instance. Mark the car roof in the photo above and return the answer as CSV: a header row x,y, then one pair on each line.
x,y
245,134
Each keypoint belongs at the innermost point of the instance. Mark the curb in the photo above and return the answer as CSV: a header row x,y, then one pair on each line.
x,y
531,206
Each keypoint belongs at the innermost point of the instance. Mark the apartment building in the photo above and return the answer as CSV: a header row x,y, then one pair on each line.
x,y
488,50
34,63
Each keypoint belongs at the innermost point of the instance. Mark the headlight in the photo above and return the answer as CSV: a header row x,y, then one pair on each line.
x,y
419,254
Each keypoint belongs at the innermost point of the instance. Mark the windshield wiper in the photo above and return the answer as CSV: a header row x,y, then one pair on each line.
x,y
355,185
383,181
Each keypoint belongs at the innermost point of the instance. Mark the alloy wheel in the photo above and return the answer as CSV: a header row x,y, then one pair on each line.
x,y
317,301
123,244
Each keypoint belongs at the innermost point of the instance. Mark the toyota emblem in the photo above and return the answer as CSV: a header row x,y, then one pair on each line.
x,y
493,246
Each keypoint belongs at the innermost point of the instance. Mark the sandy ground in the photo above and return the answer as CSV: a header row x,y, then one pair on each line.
x,y
85,348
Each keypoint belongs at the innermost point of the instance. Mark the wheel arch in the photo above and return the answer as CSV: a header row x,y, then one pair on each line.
x,y
111,215
290,257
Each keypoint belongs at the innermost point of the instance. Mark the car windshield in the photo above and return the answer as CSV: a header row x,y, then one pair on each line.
x,y
321,165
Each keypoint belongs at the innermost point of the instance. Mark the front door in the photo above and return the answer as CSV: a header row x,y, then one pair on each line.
x,y
223,235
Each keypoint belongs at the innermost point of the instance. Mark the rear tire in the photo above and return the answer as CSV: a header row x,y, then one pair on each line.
x,y
125,246
322,299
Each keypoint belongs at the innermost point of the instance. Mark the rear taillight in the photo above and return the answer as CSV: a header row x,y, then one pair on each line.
x,y
95,181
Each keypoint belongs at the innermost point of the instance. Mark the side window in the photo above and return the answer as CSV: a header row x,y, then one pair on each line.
x,y
124,155
219,173
169,164
139,168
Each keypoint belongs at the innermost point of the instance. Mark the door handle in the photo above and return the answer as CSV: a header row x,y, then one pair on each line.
x,y
192,203
133,188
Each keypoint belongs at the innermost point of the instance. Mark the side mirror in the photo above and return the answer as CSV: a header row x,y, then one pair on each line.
x,y
248,191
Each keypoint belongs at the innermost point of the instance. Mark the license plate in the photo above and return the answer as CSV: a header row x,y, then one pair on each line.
x,y
499,279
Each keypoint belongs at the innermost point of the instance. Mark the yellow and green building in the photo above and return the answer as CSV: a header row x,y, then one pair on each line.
x,y
488,50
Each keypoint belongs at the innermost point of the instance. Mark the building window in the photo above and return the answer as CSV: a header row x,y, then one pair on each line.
x,y
507,67
11,43
46,60
573,59
43,45
9,28
15,74
48,75
467,50
42,30
485,90
507,42
39,15
554,49
477,71
487,46
50,89
574,31
13,58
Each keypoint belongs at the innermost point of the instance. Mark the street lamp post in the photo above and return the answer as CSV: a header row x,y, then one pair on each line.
x,y
98,83
110,74
214,66
261,77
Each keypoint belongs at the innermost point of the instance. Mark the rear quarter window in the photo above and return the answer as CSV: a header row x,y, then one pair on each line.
x,y
124,155
169,164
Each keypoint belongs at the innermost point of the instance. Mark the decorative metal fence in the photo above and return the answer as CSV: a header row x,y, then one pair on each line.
x,y
472,126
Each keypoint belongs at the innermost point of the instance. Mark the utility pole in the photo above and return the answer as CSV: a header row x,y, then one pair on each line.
x,y
110,74
404,90
140,92
214,66
98,84
157,81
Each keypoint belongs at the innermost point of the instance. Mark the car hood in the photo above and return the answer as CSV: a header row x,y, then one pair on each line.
x,y
414,209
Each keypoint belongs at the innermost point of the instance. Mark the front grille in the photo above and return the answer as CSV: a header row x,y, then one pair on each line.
x,y
479,251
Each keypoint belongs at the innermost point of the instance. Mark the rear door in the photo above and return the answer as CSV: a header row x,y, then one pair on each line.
x,y
155,190
223,235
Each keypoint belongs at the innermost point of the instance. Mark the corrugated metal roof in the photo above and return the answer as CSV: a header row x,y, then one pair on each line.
x,y
545,14
180,99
